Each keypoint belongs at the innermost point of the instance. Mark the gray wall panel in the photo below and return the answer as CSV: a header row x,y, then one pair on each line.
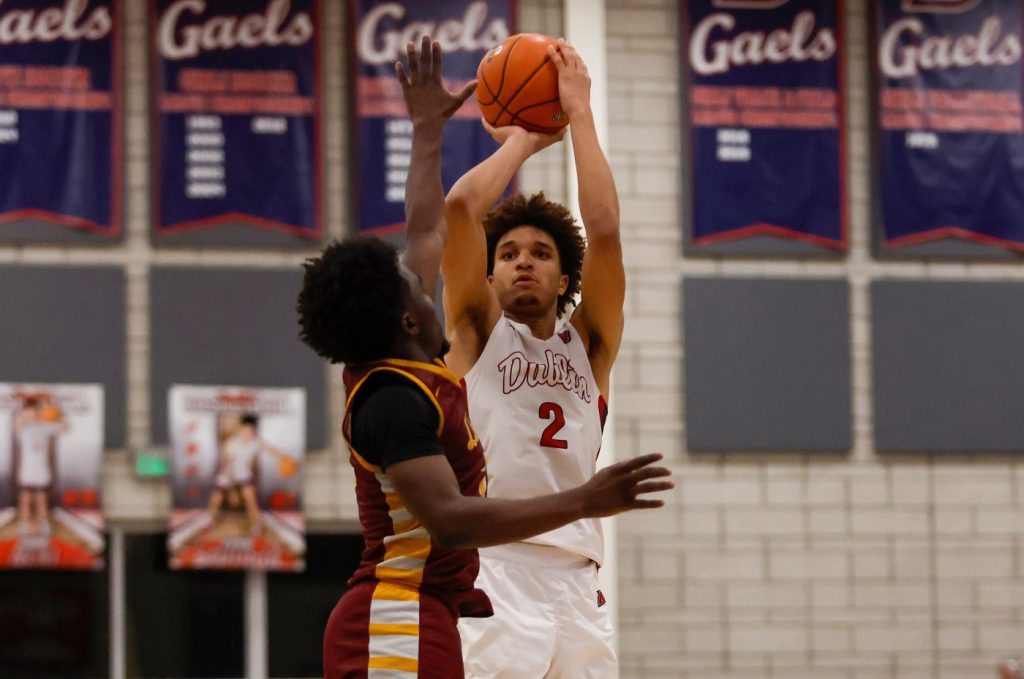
x,y
38,231
767,364
231,327
66,324
948,365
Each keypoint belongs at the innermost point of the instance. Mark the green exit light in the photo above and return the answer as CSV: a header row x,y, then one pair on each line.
x,y
149,465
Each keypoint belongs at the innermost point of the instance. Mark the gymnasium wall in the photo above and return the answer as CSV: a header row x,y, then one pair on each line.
x,y
823,564
156,284
820,558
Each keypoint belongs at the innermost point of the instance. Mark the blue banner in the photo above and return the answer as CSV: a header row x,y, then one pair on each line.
x,y
60,113
381,131
952,152
236,102
766,120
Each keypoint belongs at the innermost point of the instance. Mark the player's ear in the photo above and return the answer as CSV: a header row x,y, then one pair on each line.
x,y
409,325
563,284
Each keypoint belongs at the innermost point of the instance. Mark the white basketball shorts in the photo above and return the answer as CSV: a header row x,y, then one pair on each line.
x,y
549,622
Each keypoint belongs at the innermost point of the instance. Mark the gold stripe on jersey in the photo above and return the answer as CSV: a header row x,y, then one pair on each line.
x,y
404,560
393,663
363,463
394,628
383,628
437,367
391,591
406,526
407,549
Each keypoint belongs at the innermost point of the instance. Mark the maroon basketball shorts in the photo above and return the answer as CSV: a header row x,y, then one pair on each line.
x,y
383,631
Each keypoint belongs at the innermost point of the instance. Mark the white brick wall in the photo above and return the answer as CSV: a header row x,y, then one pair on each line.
x,y
786,565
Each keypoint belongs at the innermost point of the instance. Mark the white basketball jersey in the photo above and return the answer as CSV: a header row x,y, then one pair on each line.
x,y
34,446
537,410
240,455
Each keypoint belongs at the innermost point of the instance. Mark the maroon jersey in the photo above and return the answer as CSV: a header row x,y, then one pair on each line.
x,y
399,552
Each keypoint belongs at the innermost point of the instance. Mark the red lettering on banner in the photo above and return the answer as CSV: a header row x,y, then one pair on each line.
x,y
765,107
63,77
218,81
42,87
382,97
226,104
95,101
950,110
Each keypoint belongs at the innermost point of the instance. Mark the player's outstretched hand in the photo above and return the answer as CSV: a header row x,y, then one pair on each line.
x,y
624,486
423,86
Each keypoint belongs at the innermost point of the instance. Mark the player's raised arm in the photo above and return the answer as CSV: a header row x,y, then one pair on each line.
x,y
430,106
470,304
599,318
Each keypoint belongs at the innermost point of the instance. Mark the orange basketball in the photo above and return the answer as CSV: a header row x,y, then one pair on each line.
x,y
519,85
51,413
286,467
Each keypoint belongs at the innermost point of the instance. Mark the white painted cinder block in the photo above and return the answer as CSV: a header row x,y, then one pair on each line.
x,y
783,566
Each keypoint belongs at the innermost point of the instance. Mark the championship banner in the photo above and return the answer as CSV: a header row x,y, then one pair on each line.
x,y
60,114
236,102
952,152
51,444
381,132
766,120
236,456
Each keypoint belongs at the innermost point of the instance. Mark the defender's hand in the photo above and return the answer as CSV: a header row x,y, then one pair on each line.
x,y
617,488
423,87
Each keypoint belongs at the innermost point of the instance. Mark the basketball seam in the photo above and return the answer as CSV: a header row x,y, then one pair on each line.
x,y
504,66
539,103
525,82
501,84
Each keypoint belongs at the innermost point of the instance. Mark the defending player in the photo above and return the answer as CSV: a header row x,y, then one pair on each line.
x,y
536,385
418,463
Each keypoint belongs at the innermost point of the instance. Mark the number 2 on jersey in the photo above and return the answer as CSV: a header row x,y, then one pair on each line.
x,y
547,411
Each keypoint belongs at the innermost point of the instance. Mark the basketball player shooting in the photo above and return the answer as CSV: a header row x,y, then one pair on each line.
x,y
35,436
418,463
536,382
236,475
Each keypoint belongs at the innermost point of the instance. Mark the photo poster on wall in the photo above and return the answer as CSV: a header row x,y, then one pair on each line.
x,y
236,116
51,447
949,121
765,122
381,132
60,120
236,461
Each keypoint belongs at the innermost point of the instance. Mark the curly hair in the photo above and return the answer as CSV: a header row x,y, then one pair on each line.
x,y
352,300
553,219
